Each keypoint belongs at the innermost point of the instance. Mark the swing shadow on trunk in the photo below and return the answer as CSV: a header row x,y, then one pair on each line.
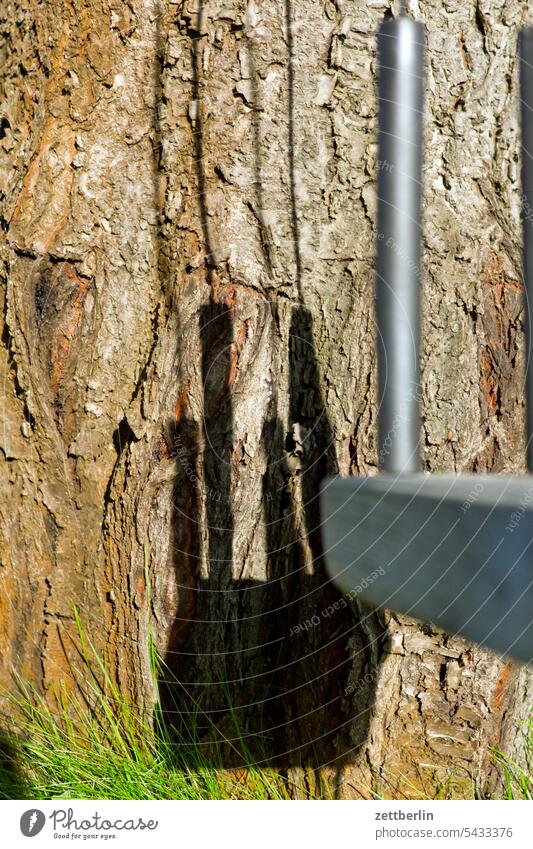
x,y
301,695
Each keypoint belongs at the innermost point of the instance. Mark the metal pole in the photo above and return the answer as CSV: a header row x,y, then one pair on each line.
x,y
526,94
400,90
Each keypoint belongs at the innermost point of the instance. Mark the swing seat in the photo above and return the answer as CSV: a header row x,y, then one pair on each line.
x,y
453,550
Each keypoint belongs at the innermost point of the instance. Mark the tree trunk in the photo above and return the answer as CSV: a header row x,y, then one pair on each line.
x,y
188,228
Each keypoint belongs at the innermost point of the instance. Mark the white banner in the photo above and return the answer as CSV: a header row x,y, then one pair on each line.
x,y
266,825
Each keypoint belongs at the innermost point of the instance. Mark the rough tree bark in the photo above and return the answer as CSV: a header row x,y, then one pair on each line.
x,y
188,228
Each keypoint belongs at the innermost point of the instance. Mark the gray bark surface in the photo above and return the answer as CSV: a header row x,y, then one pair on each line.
x,y
188,228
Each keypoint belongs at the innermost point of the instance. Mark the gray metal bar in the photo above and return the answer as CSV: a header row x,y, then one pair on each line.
x,y
400,89
526,94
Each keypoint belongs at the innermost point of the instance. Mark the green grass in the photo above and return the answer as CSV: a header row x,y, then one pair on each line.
x,y
111,754
95,745
518,779
103,748
100,747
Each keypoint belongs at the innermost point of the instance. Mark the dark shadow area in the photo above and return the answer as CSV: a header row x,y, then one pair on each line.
x,y
276,683
313,660
13,785
273,687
